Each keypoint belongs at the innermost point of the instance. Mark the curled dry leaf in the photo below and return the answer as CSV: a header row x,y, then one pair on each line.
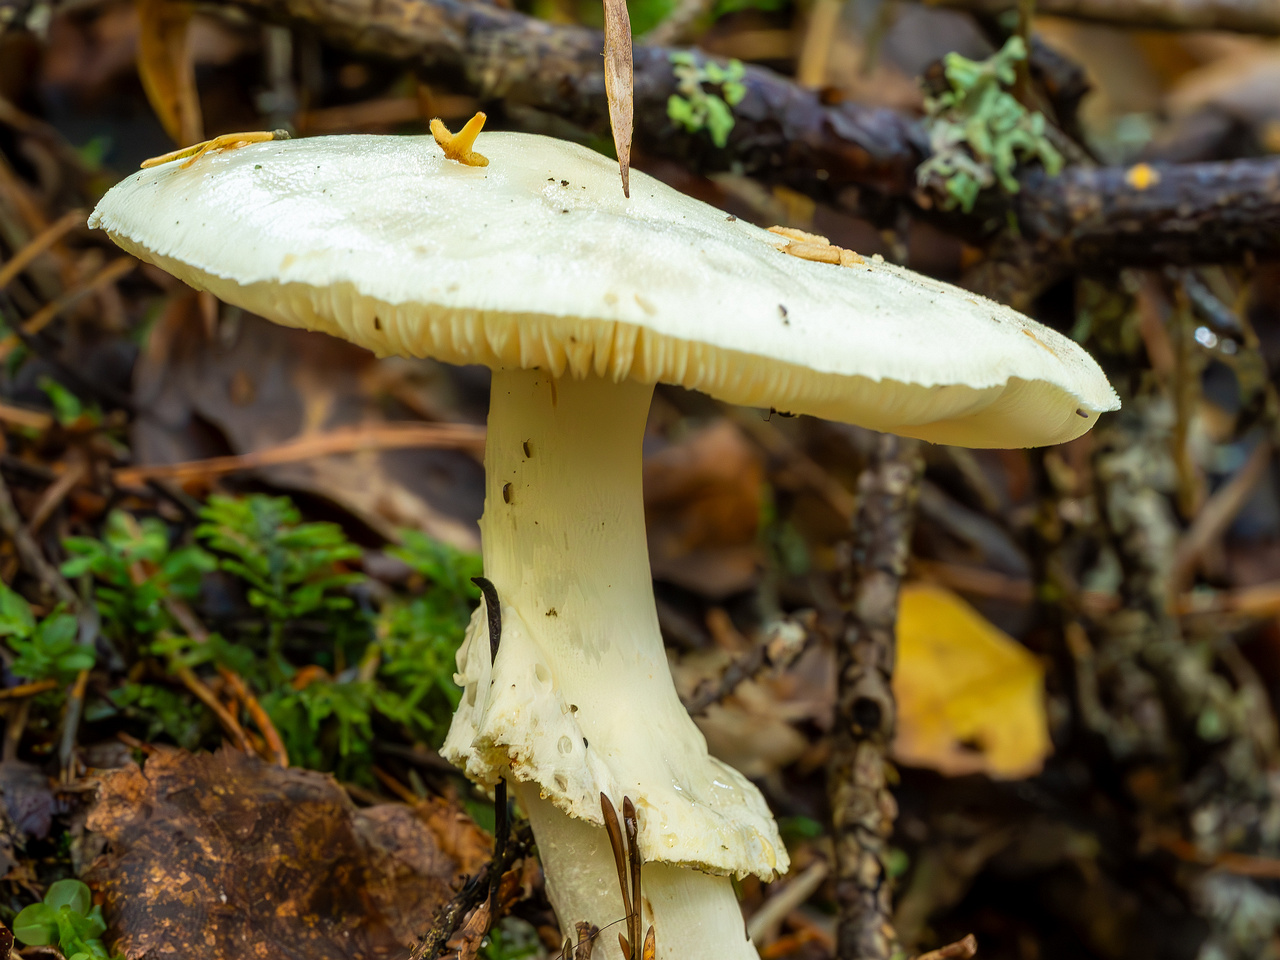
x,y
165,67
466,943
619,83
226,856
970,698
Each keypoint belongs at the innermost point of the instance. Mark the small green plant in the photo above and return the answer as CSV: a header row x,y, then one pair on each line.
x,y
418,636
165,711
293,570
291,567
327,669
44,650
511,939
694,108
723,8
136,570
68,409
979,133
66,919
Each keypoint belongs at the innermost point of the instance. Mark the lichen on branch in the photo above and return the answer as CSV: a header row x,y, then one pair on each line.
x,y
978,131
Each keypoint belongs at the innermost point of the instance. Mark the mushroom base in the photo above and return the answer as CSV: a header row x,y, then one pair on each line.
x,y
693,914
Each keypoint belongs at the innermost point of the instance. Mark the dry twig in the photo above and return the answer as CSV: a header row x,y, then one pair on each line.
x,y
109,274
384,436
1216,514
474,894
29,552
862,807
962,949
1243,16
22,417
39,244
55,493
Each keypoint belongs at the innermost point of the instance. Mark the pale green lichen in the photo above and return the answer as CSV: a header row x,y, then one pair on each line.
x,y
979,133
694,108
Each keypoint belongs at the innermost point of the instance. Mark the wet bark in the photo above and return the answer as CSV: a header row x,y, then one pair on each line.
x,y
1243,16
863,808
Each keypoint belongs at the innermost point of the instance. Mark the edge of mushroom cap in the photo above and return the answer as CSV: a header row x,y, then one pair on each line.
x,y
993,408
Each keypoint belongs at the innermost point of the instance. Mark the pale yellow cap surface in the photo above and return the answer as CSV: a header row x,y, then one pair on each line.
x,y
537,260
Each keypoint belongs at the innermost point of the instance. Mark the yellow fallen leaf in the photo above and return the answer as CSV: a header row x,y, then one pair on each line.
x,y
970,698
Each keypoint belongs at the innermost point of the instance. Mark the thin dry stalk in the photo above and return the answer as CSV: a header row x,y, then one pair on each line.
x,y
56,493
109,274
862,807
39,244
386,436
962,949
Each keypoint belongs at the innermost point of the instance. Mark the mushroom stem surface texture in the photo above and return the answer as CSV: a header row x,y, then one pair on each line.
x,y
579,699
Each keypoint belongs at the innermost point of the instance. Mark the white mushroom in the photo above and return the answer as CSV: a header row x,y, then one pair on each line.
x,y
580,301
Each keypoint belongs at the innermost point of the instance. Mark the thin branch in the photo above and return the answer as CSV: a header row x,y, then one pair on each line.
x,y
860,159
185,617
39,244
24,690
1216,515
22,417
962,949
766,654
862,807
29,552
56,493
1171,214
108,275
1242,16
384,436
781,130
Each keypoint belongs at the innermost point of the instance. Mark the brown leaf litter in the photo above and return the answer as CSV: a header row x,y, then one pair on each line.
x,y
256,386
225,856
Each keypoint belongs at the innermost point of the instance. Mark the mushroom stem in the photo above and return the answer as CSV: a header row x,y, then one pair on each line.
x,y
579,699
693,914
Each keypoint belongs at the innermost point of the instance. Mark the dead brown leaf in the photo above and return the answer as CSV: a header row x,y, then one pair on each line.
x,y
702,506
166,68
227,856
619,83
466,943
259,386
754,729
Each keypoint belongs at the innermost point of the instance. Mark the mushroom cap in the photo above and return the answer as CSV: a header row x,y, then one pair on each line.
x,y
537,260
